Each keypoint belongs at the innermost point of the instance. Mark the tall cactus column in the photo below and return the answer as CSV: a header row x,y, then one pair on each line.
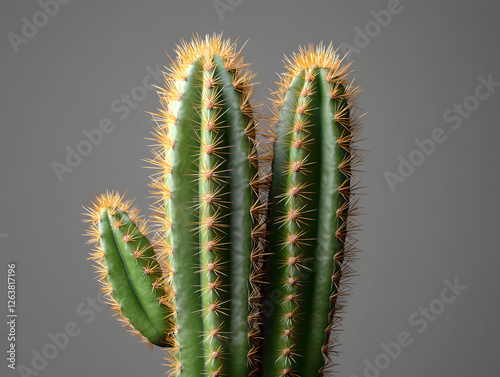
x,y
207,182
311,210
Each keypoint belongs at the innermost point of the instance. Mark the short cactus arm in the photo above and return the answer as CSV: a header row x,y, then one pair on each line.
x,y
127,267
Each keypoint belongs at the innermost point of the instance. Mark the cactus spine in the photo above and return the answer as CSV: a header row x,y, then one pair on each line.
x,y
223,256
311,210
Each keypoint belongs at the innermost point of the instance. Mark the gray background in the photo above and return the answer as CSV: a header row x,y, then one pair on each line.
x,y
441,223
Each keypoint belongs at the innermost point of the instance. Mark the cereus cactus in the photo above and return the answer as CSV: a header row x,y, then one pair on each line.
x,y
245,274
310,211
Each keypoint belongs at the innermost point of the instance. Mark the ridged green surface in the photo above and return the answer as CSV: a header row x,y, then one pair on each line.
x,y
305,230
210,211
182,237
213,220
132,271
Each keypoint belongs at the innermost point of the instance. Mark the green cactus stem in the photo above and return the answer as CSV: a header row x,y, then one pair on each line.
x,y
310,211
129,272
208,185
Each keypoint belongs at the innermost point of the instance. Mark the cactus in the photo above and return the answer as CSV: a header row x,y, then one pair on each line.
x,y
310,211
132,280
222,255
